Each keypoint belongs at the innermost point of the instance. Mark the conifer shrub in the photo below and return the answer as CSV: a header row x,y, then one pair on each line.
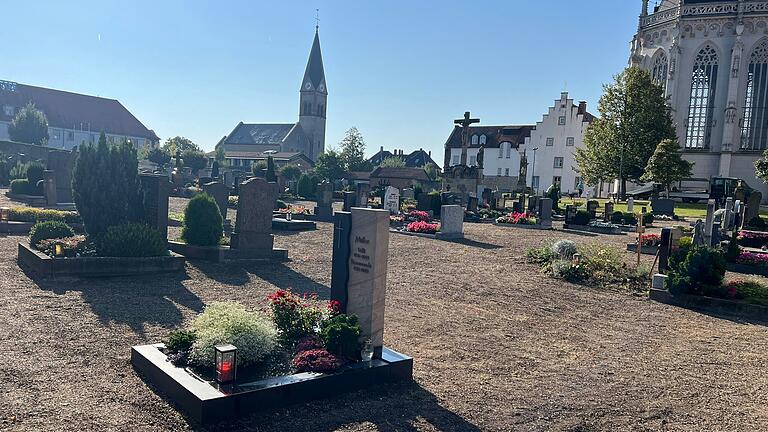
x,y
702,270
582,217
340,334
21,187
132,240
106,187
49,230
271,176
304,187
203,225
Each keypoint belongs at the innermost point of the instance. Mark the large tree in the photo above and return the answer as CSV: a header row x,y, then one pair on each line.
x,y
667,165
761,167
353,151
29,126
180,144
156,155
194,159
634,119
329,166
392,162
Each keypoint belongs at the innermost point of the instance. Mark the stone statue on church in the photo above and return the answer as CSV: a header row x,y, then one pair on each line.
x,y
480,157
523,167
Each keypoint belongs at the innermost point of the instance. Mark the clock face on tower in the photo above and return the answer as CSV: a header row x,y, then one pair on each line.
x,y
321,88
308,86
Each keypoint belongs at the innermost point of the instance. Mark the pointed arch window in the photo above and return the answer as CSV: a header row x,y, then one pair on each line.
x,y
701,106
474,139
660,70
482,139
754,127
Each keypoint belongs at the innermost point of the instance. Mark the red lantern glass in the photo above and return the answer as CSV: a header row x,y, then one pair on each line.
x,y
226,363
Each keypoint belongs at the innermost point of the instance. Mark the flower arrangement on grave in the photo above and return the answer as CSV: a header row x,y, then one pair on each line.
x,y
294,210
419,216
751,258
752,239
516,218
68,247
488,213
650,239
601,224
422,227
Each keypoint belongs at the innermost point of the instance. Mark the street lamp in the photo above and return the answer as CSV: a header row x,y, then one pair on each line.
x,y
533,169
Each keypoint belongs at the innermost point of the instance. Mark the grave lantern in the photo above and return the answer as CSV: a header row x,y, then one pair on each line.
x,y
58,250
4,213
226,363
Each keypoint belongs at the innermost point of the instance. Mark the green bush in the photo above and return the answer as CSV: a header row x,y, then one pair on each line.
x,y
540,255
340,334
702,269
132,240
582,217
617,217
751,291
564,249
106,187
32,214
18,171
21,187
648,218
569,271
34,172
304,187
203,225
253,334
180,340
49,230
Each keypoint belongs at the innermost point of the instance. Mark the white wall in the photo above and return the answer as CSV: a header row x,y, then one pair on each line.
x,y
68,138
550,129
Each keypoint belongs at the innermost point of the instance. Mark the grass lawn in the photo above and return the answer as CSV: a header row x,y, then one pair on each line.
x,y
686,210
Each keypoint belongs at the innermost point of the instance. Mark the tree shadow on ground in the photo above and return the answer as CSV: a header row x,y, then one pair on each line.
x,y
475,243
728,316
284,277
392,407
580,233
132,301
229,273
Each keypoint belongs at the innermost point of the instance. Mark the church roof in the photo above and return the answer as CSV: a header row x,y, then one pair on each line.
x,y
259,133
400,173
73,110
315,73
494,135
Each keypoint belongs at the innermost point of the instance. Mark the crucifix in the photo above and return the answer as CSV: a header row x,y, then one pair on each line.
x,y
317,19
465,122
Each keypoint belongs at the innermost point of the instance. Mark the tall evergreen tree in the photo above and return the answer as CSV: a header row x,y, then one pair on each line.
x,y
634,119
270,175
29,126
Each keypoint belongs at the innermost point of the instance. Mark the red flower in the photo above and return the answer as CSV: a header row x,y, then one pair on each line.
x,y
334,306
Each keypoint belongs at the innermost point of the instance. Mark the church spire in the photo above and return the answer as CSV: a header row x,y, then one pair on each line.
x,y
314,76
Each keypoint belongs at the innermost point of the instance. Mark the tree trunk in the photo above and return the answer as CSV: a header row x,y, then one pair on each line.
x,y
623,189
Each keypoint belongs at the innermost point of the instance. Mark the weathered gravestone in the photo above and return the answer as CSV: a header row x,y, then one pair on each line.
x,y
630,205
362,195
359,269
220,193
252,236
753,206
545,212
570,213
532,202
49,188
451,222
350,200
709,222
486,196
155,189
324,209
62,164
408,193
663,206
592,206
472,204
609,209
392,200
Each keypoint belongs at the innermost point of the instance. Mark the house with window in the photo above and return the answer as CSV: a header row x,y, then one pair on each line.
x,y
415,159
711,59
550,147
500,152
74,118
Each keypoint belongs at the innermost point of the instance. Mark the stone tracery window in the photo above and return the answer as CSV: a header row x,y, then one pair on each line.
x,y
660,70
754,128
701,106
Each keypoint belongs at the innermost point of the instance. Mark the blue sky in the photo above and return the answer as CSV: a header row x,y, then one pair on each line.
x,y
400,71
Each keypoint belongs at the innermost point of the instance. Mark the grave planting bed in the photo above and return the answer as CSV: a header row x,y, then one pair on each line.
x,y
522,226
205,401
46,266
760,270
437,236
224,253
592,229
646,250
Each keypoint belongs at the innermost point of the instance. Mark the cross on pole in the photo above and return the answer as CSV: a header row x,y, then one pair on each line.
x,y
317,19
465,123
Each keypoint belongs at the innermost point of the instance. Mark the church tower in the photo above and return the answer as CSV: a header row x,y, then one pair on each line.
x,y
313,101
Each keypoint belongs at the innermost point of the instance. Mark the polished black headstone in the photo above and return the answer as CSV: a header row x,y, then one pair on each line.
x,y
342,226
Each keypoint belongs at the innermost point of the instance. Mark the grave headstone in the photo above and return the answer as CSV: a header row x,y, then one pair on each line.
x,y
665,248
517,207
359,276
545,212
253,225
350,200
62,164
486,196
592,206
324,209
570,213
220,193
727,222
155,189
472,204
753,206
698,233
392,200
408,193
451,221
532,202
362,191
630,205
608,212
709,222
663,206
49,188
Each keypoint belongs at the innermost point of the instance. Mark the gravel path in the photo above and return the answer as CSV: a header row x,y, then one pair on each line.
x,y
497,346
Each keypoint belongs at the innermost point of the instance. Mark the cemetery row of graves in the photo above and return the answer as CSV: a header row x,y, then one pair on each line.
x,y
231,360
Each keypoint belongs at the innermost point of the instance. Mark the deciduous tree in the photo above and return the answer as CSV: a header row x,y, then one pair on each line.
x,y
29,126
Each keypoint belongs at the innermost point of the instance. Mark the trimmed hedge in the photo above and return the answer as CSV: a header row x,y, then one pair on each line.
x,y
49,230
31,214
132,240
203,225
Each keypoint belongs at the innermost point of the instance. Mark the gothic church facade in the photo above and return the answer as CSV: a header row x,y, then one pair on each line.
x,y
711,58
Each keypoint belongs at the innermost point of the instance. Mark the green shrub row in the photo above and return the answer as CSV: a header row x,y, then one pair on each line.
x,y
31,214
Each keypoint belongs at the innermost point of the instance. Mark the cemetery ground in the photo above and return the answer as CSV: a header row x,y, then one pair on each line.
x,y
496,345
